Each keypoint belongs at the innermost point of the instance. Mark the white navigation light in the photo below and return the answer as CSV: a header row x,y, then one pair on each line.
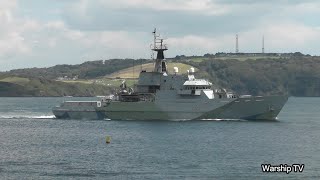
x,y
176,69
191,74
192,70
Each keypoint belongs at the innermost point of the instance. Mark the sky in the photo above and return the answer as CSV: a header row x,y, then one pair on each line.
x,y
43,33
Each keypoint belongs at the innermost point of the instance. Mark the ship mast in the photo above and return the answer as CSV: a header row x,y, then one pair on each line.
x,y
159,47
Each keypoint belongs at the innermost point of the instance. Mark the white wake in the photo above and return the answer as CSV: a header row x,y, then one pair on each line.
x,y
27,117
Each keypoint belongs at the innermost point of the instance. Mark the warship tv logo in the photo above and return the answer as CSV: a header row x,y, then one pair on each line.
x,y
282,168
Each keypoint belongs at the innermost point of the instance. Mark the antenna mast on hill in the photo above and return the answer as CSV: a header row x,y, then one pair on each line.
x,y
237,44
263,44
132,68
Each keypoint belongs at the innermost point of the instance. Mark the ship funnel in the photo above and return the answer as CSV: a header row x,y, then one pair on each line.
x,y
176,70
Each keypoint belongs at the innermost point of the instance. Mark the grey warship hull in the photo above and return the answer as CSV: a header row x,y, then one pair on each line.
x,y
251,108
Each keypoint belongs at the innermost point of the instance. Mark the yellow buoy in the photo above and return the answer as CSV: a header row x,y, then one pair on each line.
x,y
108,139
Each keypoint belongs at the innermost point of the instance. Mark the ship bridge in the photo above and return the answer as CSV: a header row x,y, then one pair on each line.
x,y
197,84
195,87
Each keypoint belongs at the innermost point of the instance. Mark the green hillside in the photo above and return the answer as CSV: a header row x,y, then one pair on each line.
x,y
111,83
133,72
291,73
15,80
294,76
86,70
16,86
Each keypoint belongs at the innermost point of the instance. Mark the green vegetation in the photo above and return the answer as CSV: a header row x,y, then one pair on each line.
x,y
293,76
197,59
87,70
245,58
15,80
258,74
44,87
133,72
105,82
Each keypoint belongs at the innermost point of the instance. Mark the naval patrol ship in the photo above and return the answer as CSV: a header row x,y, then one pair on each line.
x,y
159,95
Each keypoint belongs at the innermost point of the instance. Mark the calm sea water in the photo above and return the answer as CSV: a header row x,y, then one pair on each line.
x,y
34,145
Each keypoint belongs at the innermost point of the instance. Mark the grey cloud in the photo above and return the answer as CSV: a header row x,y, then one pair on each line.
x,y
176,22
